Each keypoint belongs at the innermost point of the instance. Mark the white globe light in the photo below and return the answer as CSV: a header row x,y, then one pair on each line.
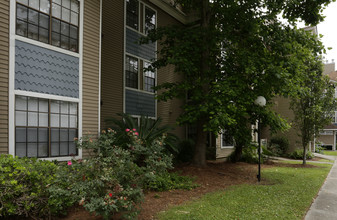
x,y
260,100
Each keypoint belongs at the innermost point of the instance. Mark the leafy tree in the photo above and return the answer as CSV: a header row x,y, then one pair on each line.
x,y
313,104
235,52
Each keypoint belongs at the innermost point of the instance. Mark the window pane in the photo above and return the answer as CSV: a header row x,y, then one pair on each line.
x,y
20,150
56,10
43,149
57,1
44,21
23,1
33,17
73,45
64,121
43,135
63,134
32,119
66,14
73,108
73,121
55,106
31,134
131,73
132,10
64,42
72,134
150,20
20,118
73,32
54,120
43,105
64,108
55,135
32,104
74,5
55,151
43,35
55,39
66,3
34,4
74,18
21,28
43,119
20,103
33,32
64,29
32,150
64,148
20,135
21,12
72,148
44,6
56,25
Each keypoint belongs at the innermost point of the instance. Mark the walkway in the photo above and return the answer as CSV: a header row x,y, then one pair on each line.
x,y
325,205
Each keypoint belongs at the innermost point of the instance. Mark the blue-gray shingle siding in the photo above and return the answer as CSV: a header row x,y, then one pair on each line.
x,y
140,103
45,71
145,51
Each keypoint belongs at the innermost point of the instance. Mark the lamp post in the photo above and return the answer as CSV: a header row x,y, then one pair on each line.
x,y
260,101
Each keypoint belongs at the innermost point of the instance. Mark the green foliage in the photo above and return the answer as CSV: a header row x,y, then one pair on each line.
x,y
24,186
279,145
186,150
112,180
228,62
319,149
298,154
250,154
169,181
148,129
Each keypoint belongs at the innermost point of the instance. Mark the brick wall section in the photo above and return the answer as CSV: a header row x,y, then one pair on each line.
x,y
4,74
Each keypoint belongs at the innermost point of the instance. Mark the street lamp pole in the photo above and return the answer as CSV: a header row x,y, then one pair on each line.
x,y
260,101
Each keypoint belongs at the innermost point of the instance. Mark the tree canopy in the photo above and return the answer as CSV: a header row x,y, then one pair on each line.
x,y
236,51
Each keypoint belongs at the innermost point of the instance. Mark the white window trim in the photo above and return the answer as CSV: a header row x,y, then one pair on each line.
x,y
11,87
224,147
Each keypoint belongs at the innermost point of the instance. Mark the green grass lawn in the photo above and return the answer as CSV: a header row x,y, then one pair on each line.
x,y
329,152
285,193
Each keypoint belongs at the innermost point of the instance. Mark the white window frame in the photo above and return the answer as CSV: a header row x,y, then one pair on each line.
x,y
11,87
221,142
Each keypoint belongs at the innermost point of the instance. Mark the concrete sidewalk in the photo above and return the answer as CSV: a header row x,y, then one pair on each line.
x,y
325,205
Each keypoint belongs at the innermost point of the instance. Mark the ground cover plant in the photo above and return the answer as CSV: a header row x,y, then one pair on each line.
x,y
286,192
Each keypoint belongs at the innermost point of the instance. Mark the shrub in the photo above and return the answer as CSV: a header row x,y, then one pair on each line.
x,y
111,181
298,154
168,181
24,186
319,149
250,154
279,145
149,130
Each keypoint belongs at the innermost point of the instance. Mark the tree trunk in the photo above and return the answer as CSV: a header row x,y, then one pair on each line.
x,y
237,153
199,158
304,155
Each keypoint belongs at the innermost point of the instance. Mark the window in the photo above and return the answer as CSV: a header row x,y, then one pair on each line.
x,y
131,72
53,22
132,14
45,128
150,20
149,79
137,22
227,140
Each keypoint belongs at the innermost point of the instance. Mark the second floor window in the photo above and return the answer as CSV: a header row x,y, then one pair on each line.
x,y
53,22
139,16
